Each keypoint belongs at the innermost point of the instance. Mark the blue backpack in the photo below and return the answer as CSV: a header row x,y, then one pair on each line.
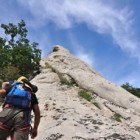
x,y
19,96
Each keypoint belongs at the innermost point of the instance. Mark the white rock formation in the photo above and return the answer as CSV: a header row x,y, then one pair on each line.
x,y
112,114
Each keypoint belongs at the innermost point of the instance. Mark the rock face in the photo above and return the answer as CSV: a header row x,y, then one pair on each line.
x,y
112,113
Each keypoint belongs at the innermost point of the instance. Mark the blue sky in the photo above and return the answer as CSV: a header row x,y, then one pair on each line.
x,y
103,33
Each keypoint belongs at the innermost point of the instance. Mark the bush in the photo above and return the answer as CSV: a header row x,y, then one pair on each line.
x,y
9,73
117,117
131,89
85,94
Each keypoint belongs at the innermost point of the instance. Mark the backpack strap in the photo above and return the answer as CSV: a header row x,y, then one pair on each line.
x,y
4,127
12,116
3,124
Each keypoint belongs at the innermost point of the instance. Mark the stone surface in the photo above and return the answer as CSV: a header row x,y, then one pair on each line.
x,y
112,114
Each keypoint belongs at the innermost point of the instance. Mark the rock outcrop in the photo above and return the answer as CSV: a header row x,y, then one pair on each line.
x,y
112,113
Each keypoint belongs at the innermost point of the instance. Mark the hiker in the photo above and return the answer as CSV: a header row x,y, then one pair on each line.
x,y
16,114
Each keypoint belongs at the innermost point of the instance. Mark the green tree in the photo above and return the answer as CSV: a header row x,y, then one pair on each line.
x,y
17,55
135,91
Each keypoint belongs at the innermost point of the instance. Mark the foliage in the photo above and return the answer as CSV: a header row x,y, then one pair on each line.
x,y
1,83
117,117
9,73
48,66
65,81
85,95
17,53
131,89
55,49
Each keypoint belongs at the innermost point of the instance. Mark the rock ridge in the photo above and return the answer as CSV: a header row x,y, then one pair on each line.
x,y
111,114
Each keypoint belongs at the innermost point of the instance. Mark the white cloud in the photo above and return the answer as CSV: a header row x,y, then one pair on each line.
x,y
85,57
99,15
132,79
80,51
102,16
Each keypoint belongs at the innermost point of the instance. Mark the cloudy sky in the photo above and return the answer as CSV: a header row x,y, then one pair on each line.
x,y
103,33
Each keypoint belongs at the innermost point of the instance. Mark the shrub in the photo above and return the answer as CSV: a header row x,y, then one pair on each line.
x,y
135,91
48,66
117,117
65,82
9,73
85,94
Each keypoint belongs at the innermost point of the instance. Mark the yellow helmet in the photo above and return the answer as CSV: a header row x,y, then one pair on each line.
x,y
20,80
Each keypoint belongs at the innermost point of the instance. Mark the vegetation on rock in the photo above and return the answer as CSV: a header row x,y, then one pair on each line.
x,y
131,89
85,94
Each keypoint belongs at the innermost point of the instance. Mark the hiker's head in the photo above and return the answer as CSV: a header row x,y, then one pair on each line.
x,y
24,80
